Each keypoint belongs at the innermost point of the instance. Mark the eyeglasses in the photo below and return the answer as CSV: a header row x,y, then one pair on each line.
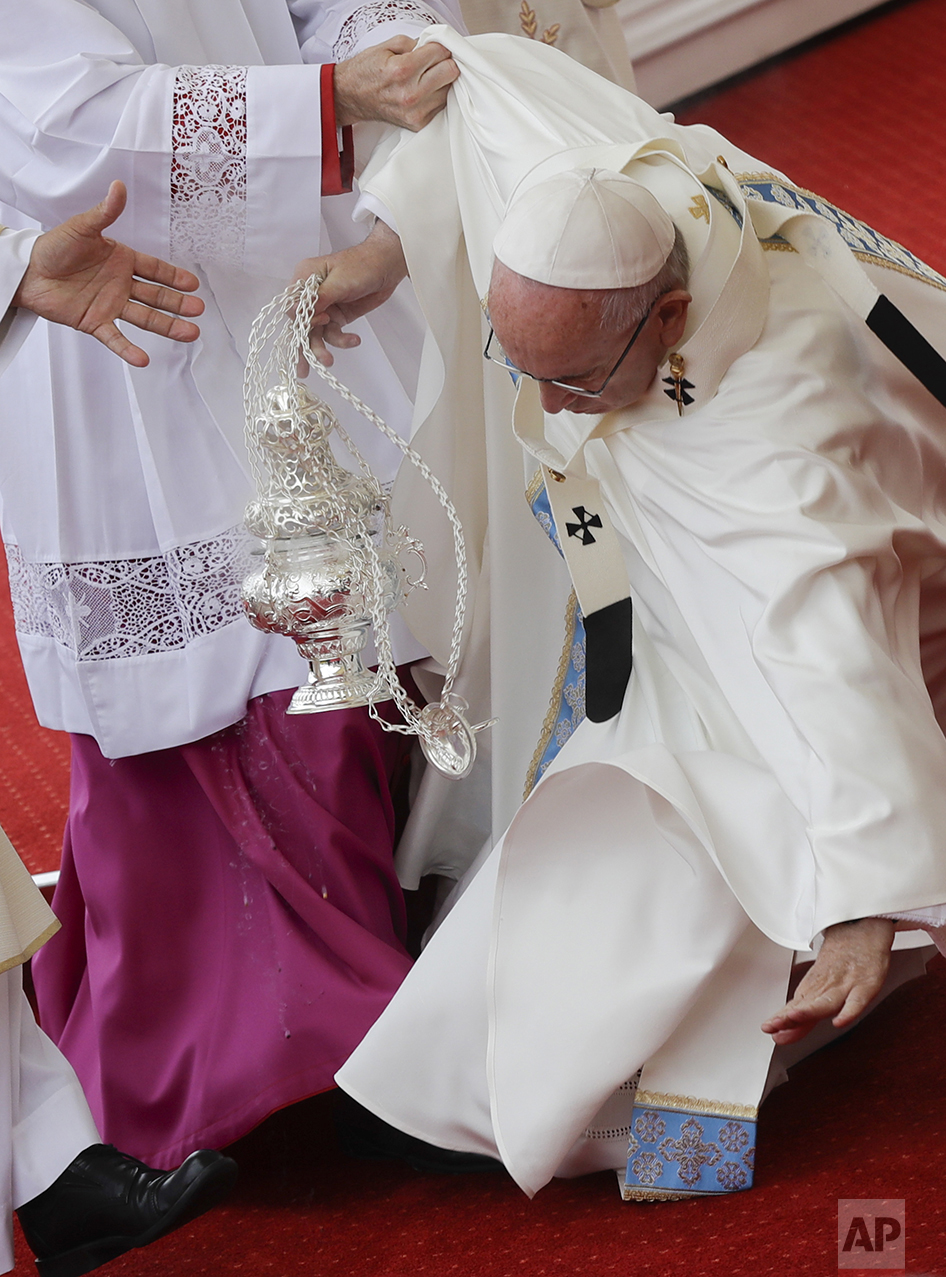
x,y
496,355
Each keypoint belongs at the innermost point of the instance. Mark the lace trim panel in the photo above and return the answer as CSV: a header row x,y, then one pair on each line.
x,y
132,607
208,165
610,1133
375,15
934,916
622,1132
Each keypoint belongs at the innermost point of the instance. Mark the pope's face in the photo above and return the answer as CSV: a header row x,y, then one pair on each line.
x,y
556,335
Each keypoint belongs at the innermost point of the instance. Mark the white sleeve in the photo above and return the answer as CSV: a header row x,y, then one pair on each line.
x,y
15,250
333,32
210,154
369,206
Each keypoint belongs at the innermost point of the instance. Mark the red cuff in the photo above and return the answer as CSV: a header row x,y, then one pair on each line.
x,y
338,169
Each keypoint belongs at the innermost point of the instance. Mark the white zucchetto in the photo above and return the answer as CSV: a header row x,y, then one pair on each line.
x,y
586,228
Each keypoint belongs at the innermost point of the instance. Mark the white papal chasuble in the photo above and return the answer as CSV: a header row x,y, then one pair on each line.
x,y
595,995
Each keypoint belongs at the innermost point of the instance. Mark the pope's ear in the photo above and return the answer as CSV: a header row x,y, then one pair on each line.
x,y
671,315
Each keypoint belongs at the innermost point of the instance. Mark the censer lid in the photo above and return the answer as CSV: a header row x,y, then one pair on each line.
x,y
303,489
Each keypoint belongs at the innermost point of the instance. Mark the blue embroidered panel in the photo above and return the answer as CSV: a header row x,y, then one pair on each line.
x,y
571,706
857,235
722,198
676,1151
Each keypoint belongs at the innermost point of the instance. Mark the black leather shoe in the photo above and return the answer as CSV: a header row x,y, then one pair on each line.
x,y
105,1203
363,1135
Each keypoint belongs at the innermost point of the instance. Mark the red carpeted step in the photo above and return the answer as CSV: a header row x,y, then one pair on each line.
x,y
857,118
861,1120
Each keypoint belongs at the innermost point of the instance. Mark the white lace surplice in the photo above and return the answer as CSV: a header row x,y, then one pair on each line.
x,y
123,490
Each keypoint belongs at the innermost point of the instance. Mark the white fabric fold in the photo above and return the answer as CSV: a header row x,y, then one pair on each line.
x,y
15,324
774,582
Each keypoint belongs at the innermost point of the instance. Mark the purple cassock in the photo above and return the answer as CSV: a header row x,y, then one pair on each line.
x,y
232,923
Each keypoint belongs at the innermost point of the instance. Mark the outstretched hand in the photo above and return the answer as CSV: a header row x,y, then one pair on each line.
x,y
79,278
354,282
394,82
846,976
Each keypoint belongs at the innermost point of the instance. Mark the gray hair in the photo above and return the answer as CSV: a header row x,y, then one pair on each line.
x,y
623,308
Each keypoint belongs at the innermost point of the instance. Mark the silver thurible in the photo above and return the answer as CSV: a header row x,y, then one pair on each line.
x,y
329,552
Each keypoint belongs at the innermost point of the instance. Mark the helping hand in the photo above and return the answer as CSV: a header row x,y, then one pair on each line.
x,y
79,278
844,978
395,83
354,282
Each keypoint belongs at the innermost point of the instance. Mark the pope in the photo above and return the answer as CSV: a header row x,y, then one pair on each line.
x,y
743,478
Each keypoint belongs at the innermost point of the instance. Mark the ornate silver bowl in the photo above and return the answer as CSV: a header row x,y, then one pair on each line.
x,y
318,569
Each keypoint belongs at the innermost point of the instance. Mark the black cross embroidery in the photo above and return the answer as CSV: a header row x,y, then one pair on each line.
x,y
583,527
678,391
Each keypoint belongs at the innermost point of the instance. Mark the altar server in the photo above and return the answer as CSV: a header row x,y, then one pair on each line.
x,y
80,1203
725,445
232,922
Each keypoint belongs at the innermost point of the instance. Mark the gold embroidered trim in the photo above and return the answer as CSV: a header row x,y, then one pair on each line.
x,y
691,1104
871,259
33,947
551,717
769,177
901,270
536,484
651,1195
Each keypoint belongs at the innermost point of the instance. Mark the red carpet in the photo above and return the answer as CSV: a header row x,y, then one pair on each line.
x,y
34,763
859,118
861,1120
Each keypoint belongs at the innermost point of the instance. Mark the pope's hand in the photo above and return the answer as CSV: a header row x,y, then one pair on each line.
x,y
79,278
354,282
846,976
395,83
